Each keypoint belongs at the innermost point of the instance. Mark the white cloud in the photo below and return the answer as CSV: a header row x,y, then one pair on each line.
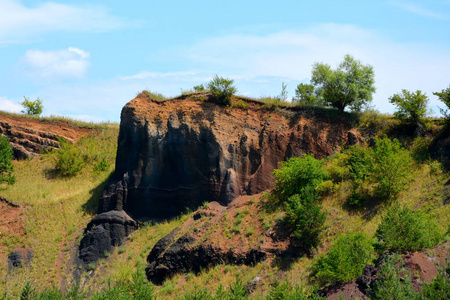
x,y
18,21
289,56
420,10
67,63
9,106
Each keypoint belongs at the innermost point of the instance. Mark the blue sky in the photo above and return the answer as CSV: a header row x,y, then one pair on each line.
x,y
86,59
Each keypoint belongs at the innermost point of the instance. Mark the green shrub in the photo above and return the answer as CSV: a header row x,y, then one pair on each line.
x,y
222,89
6,157
373,124
199,88
345,259
411,106
394,282
439,288
240,104
297,174
391,168
401,229
69,159
101,166
32,107
305,217
285,291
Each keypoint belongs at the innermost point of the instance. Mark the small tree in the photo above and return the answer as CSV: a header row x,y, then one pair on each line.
x,y
351,84
222,89
6,157
306,95
412,106
444,96
32,107
283,95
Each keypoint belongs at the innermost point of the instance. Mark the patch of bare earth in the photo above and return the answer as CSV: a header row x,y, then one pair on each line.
x,y
11,226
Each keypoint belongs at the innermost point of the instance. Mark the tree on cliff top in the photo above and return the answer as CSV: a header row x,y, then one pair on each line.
x,y
32,107
351,84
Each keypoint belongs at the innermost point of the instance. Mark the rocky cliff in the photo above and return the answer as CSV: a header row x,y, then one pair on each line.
x,y
177,154
180,153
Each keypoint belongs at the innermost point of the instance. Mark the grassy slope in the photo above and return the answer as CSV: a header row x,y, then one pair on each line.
x,y
57,210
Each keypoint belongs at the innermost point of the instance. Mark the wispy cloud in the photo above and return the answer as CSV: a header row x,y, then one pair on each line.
x,y
420,10
67,63
146,75
19,22
9,105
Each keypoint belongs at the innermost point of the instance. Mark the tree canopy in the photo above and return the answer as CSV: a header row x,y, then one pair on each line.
x,y
351,84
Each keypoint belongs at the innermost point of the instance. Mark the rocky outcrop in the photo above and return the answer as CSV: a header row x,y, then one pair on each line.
x,y
176,154
184,256
30,137
19,257
103,233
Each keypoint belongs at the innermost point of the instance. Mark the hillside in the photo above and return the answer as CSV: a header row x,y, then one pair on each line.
x,y
224,158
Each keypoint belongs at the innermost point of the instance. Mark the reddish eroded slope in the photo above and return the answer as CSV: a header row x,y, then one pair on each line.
x,y
29,136
11,226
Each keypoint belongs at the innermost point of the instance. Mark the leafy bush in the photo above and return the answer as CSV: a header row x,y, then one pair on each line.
x,y
6,157
285,291
401,229
391,168
305,217
296,175
306,95
345,259
222,89
199,88
240,104
439,288
444,96
69,159
32,107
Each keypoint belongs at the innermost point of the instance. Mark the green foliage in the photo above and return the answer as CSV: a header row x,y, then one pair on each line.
x,y
351,84
395,282
296,175
391,168
221,89
152,95
444,96
305,217
284,92
401,229
345,259
439,288
32,107
305,95
6,157
373,124
28,292
69,159
101,166
411,106
285,291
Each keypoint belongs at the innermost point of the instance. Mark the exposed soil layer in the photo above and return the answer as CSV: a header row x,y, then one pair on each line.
x,y
29,137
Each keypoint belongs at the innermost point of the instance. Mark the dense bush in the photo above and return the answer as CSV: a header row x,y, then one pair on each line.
x,y
444,96
6,157
296,175
401,229
439,288
69,159
221,89
345,259
305,217
391,168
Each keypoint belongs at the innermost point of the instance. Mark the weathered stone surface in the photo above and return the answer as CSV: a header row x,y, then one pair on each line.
x,y
177,154
104,232
19,257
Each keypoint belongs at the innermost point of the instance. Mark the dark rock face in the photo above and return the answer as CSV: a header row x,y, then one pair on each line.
x,y
182,255
19,257
104,232
177,154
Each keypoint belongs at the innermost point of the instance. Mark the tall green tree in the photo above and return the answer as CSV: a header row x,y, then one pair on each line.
x,y
6,166
411,106
351,84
